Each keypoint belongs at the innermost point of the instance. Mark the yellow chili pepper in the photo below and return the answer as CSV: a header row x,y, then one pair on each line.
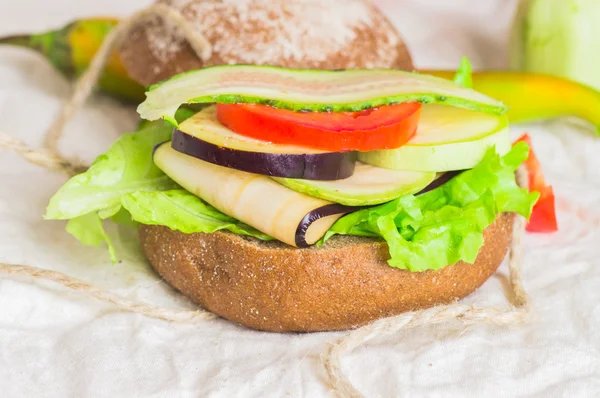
x,y
71,49
533,97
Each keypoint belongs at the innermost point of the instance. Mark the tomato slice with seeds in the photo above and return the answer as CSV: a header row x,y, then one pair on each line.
x,y
385,127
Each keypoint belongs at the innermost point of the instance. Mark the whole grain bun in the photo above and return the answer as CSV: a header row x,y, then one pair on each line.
x,y
331,34
343,284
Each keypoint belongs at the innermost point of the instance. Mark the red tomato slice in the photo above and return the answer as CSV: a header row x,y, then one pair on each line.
x,y
543,217
386,127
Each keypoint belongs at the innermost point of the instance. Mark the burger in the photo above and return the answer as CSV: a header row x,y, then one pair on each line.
x,y
302,178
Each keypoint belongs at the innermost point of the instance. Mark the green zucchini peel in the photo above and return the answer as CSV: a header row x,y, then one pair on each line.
x,y
308,90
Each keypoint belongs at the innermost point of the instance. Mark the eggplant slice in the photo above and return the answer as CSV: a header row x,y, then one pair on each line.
x,y
253,199
323,166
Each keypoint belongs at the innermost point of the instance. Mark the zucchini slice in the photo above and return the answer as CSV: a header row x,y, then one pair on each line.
x,y
291,217
307,90
368,185
447,139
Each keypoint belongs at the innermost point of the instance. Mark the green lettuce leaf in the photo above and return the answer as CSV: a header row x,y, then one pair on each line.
x,y
445,225
88,229
464,76
123,217
126,167
184,212
125,186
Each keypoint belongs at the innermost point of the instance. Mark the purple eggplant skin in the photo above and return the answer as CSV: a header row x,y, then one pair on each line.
x,y
316,214
324,166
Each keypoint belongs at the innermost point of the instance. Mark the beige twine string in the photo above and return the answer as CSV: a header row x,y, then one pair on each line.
x,y
50,158
40,157
84,287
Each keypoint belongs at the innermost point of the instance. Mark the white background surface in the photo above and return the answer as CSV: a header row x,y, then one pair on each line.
x,y
54,342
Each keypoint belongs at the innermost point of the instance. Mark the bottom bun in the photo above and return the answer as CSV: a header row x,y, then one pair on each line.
x,y
342,285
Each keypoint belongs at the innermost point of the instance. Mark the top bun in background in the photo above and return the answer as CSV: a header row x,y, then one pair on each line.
x,y
332,34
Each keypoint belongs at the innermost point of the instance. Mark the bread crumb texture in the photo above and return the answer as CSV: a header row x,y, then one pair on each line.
x,y
341,285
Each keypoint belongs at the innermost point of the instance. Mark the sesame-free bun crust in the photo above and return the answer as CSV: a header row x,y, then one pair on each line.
x,y
332,34
341,285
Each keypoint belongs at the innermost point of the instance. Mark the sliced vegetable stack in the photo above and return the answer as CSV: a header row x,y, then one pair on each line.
x,y
302,155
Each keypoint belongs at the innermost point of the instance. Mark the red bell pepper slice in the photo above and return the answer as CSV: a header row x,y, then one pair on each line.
x,y
543,217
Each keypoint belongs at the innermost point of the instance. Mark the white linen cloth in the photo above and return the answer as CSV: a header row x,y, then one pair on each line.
x,y
59,343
